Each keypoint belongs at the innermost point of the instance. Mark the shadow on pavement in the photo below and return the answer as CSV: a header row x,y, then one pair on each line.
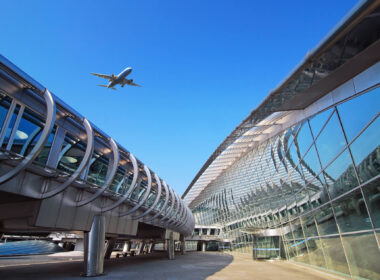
x,y
193,265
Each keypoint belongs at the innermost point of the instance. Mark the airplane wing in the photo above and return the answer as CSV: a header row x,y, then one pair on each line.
x,y
129,82
133,84
108,77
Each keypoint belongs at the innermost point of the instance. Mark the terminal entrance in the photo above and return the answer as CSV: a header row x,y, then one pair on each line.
x,y
267,247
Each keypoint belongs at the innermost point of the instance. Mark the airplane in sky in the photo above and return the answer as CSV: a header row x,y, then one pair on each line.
x,y
119,79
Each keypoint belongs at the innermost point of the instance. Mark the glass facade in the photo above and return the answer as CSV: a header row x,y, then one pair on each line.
x,y
317,184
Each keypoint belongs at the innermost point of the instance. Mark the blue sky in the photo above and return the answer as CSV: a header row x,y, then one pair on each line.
x,y
204,65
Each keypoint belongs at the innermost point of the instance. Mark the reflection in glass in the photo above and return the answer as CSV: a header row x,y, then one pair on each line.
x,y
316,256
71,154
357,112
331,141
308,225
372,196
363,255
303,139
98,170
351,213
5,103
10,126
340,175
318,121
326,221
310,164
334,254
366,152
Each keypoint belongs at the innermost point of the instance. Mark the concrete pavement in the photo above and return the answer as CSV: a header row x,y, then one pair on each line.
x,y
192,266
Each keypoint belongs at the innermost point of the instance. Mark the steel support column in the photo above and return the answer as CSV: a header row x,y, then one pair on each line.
x,y
170,246
94,247
183,246
110,245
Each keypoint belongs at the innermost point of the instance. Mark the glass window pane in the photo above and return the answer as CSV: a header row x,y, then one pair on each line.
x,y
309,227
334,254
372,196
331,141
71,154
98,170
366,152
5,103
303,139
351,213
340,175
357,112
363,255
310,164
315,248
318,121
326,221
10,126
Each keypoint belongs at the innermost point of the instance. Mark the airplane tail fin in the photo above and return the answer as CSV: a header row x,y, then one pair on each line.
x,y
107,87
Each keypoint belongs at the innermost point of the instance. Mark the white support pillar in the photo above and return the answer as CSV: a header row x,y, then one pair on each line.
x,y
126,247
170,246
183,244
203,246
94,247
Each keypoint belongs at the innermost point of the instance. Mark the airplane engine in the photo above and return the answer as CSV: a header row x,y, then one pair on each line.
x,y
131,80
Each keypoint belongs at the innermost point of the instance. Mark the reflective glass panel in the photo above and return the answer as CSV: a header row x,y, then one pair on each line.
x,y
357,112
304,138
366,152
372,197
340,175
98,170
334,254
71,154
363,255
5,102
308,225
318,121
331,141
315,249
326,221
351,213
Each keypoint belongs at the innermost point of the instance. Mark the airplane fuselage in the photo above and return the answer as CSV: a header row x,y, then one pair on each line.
x,y
120,77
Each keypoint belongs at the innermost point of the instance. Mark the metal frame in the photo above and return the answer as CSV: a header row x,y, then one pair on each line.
x,y
126,195
82,165
161,221
142,201
163,206
109,179
155,201
28,159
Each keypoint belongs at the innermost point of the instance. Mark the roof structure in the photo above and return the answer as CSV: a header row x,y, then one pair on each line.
x,y
323,69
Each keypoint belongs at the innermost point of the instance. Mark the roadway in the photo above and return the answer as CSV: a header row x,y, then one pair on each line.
x,y
193,265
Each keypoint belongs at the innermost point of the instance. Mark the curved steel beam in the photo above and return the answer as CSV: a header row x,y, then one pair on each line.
x,y
183,217
142,201
82,165
174,214
181,211
109,179
161,221
49,123
163,206
155,201
125,196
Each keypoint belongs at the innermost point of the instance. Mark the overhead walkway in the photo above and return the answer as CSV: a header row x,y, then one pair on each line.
x,y
58,172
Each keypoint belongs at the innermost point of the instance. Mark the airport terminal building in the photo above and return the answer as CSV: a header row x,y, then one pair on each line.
x,y
299,178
